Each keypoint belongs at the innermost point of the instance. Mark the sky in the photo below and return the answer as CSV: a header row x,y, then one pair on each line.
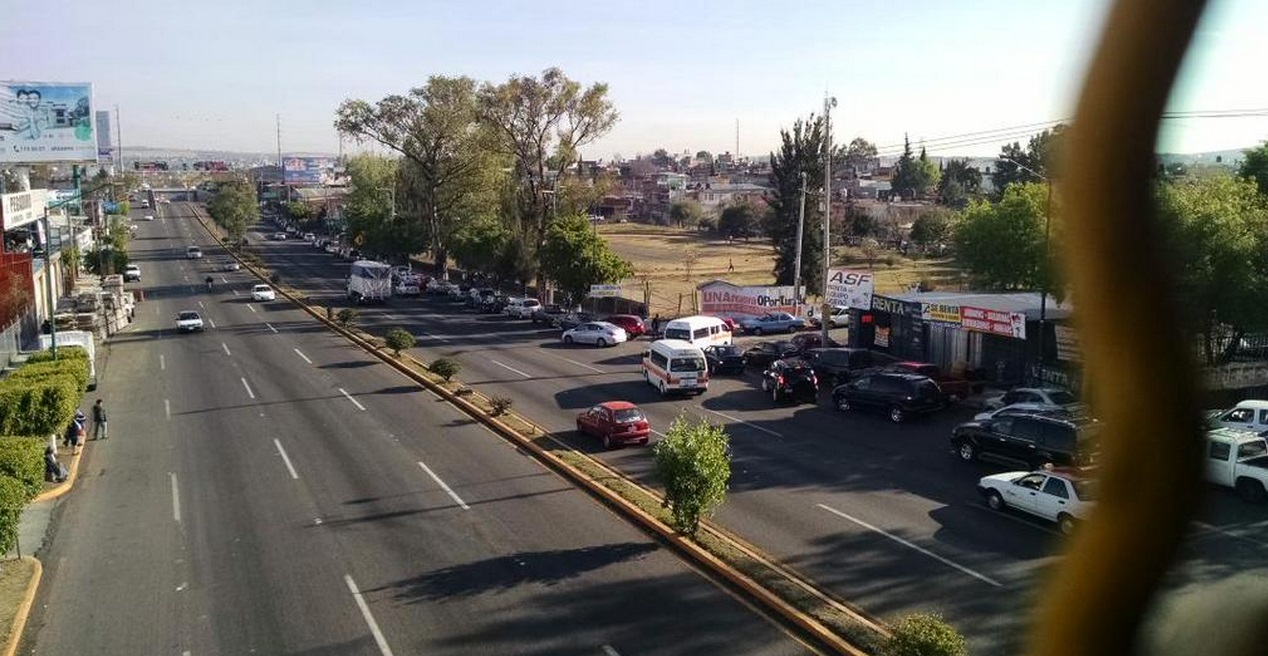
x,y
682,75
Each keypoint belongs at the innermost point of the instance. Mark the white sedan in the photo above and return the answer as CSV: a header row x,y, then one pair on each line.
x,y
599,333
1060,495
188,321
263,293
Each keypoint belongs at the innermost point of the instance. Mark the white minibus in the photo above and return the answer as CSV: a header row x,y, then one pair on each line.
x,y
675,366
699,330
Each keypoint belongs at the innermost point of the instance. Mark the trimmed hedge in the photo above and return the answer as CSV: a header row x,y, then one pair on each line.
x,y
12,500
41,371
68,352
22,458
38,406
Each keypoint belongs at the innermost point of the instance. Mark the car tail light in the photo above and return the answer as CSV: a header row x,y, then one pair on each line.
x,y
642,425
779,380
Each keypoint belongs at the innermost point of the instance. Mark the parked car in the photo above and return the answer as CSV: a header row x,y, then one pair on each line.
x,y
837,366
148,217
1026,409
522,308
406,287
279,236
1238,459
1032,440
1061,495
774,322
790,379
956,388
1250,415
764,353
189,321
812,340
633,325
1046,395
440,287
547,314
132,273
263,293
900,395
308,236
598,333
615,422
724,358
573,319
839,318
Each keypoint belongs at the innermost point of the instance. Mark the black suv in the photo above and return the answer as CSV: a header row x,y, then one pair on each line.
x,y
898,393
791,379
762,354
547,314
1032,440
838,366
813,340
724,358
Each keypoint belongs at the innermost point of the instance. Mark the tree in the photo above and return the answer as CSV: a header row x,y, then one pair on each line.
x,y
931,227
738,220
924,634
1218,229
541,123
1032,164
449,166
1002,244
685,213
694,463
705,156
959,183
399,339
1255,166
373,183
800,151
860,156
298,210
905,174
927,174
234,207
477,246
575,257
662,159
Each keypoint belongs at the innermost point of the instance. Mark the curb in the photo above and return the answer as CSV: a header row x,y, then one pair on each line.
x,y
24,608
64,486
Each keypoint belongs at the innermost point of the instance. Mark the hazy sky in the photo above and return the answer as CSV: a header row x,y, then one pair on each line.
x,y
215,75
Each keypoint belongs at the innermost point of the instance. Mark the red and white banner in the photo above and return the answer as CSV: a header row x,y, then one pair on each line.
x,y
723,299
995,322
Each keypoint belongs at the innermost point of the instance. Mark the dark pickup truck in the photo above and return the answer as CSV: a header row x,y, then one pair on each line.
x,y
953,388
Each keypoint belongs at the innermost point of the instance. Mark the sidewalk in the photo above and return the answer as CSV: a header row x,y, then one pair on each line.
x,y
33,528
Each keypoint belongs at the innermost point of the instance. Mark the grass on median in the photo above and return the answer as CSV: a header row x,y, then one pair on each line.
x,y
15,578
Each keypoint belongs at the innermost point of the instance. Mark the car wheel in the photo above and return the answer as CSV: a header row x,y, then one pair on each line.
x,y
580,429
1066,524
843,403
757,331
774,394
600,342
644,441
896,415
1250,490
607,441
995,501
966,451
567,339
792,329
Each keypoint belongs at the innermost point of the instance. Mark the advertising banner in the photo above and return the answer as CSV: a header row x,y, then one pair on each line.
x,y
604,291
105,152
308,171
995,322
724,299
22,208
940,312
851,288
46,122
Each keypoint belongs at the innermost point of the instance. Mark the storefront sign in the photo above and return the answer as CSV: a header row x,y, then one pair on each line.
x,y
604,291
940,312
881,337
727,300
1068,348
22,208
995,322
850,288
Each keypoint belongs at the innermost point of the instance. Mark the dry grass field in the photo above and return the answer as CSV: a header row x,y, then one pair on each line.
x,y
672,261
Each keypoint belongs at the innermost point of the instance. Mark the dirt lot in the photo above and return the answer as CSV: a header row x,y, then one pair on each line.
x,y
661,256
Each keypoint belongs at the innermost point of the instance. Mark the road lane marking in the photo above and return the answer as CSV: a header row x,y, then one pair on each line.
x,y
301,354
250,307
167,408
212,322
582,364
354,401
432,336
201,306
224,279
608,650
741,421
286,459
235,292
909,544
657,433
226,348
176,498
156,310
509,368
249,392
1229,534
452,495
384,649
270,326
162,363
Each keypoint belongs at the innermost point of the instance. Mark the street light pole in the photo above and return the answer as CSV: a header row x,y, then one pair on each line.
x,y
825,312
801,226
48,284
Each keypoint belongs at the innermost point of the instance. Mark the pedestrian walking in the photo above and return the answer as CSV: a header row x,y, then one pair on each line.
x,y
730,265
656,325
99,428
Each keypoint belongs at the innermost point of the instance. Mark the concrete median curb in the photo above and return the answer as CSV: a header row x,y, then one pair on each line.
x,y
24,609
66,485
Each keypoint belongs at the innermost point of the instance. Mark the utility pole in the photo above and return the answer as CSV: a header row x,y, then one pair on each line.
x,y
801,226
826,311
50,300
118,133
737,140
280,168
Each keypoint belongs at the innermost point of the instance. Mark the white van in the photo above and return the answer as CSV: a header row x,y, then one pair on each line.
x,y
699,330
674,365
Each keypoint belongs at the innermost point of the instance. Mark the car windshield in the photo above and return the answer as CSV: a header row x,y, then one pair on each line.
x,y
678,333
1062,397
686,364
185,316
726,350
627,415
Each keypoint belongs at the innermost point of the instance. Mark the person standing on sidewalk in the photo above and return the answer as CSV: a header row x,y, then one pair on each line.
x,y
99,428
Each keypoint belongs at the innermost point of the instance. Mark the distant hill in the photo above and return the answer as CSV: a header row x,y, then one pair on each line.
x,y
150,153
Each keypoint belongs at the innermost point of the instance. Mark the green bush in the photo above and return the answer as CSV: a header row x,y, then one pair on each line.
x,y
12,500
69,352
38,407
445,368
23,459
500,404
346,317
399,339
38,371
694,463
924,634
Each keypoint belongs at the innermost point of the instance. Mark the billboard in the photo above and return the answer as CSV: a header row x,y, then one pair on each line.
x,y
721,298
46,122
604,291
105,152
850,288
308,171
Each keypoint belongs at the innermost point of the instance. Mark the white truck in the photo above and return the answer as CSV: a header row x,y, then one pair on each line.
x,y
80,338
1250,415
369,282
1238,459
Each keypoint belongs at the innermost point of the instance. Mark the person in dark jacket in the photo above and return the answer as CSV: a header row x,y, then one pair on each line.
x,y
99,429
54,471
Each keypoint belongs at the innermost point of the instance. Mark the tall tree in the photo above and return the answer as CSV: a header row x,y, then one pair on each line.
x,y
685,213
436,128
1218,230
1034,163
932,226
234,207
860,156
1255,166
739,220
800,151
1002,244
662,159
906,174
575,257
541,123
375,191
959,183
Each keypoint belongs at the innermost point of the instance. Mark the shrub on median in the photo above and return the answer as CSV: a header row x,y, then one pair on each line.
x,y
500,404
346,317
924,634
445,368
694,463
399,339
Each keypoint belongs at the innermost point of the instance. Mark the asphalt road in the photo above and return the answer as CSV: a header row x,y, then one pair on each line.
x,y
880,514
268,488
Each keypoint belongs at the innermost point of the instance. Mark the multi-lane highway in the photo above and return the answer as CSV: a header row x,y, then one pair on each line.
x,y
879,514
268,488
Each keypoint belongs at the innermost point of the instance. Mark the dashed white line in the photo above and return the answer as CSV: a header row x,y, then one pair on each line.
x,y
911,545
452,495
301,354
349,396
167,408
582,364
162,363
224,279
270,326
384,649
249,392
235,292
741,421
200,304
250,307
286,459
509,368
431,336
176,498
212,322
226,348
608,650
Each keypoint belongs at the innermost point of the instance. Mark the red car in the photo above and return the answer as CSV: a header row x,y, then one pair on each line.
x,y
633,325
615,422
